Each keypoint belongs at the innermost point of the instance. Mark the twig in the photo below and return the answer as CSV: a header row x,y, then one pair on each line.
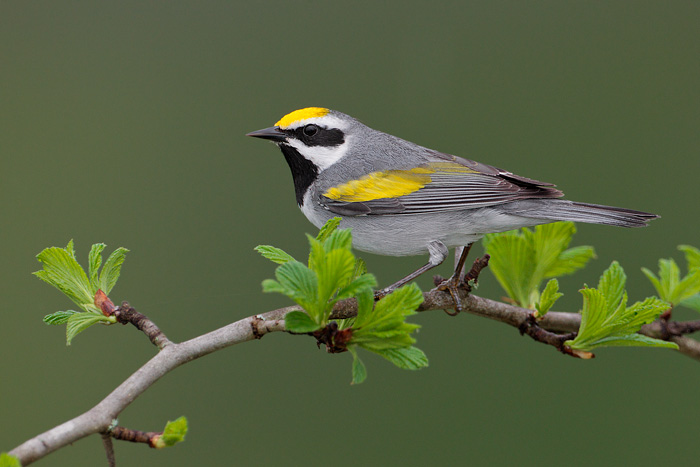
x,y
109,449
135,436
98,419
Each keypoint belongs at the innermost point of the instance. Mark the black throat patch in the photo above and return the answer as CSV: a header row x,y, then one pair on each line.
x,y
304,172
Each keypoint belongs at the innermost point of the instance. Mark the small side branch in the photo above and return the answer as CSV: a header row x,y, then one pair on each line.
x,y
135,436
531,328
126,314
109,449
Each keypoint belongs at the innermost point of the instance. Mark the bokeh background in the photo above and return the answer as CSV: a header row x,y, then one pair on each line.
x,y
124,122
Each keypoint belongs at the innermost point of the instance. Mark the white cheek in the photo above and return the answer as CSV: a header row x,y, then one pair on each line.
x,y
322,156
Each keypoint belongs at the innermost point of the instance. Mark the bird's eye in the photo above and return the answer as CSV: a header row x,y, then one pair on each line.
x,y
310,130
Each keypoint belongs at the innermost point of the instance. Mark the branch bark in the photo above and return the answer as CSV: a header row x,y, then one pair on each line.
x,y
99,418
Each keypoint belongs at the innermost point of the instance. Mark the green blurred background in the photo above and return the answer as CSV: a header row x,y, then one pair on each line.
x,y
124,122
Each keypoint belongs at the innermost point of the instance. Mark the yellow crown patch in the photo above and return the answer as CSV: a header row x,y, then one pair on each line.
x,y
301,114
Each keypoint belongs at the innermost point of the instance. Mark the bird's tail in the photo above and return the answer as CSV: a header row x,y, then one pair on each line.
x,y
564,210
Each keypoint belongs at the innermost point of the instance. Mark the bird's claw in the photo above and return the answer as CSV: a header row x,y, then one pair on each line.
x,y
452,285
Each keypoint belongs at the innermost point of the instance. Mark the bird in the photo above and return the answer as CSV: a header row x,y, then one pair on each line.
x,y
403,199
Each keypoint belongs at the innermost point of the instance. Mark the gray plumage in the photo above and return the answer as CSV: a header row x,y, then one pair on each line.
x,y
456,207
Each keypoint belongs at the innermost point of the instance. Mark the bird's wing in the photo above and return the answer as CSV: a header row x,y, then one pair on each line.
x,y
443,185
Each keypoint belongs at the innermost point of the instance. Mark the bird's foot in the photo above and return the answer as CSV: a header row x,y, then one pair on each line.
x,y
453,284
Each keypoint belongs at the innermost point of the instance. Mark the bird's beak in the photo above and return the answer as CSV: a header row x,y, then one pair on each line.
x,y
273,134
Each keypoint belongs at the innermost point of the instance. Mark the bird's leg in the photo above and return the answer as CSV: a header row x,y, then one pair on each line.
x,y
438,253
455,281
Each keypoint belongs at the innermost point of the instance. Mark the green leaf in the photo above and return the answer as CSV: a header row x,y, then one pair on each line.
x,y
111,270
60,317
692,302
612,286
692,256
275,255
384,326
61,270
571,260
335,270
607,321
521,260
94,263
79,322
270,285
408,358
340,239
173,433
669,284
328,228
550,294
365,281
7,460
298,321
301,285
359,372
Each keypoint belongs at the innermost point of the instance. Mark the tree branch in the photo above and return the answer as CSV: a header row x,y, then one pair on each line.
x,y
99,418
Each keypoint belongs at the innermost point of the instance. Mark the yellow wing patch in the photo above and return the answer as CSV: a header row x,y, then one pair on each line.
x,y
301,114
377,185
392,183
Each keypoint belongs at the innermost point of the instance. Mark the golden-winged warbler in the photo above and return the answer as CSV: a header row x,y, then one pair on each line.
x,y
400,198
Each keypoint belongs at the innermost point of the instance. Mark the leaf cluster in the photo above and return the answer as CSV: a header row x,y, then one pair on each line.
x,y
7,460
606,320
673,288
333,273
61,269
522,259
173,433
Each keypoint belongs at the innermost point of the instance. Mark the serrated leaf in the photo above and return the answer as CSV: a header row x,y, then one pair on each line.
x,y
328,228
79,322
635,340
271,285
571,260
365,281
408,358
612,286
7,460
607,321
275,255
298,321
94,263
340,239
522,259
301,285
511,263
549,296
61,270
173,433
654,281
112,269
692,302
335,270
692,256
59,317
669,284
359,372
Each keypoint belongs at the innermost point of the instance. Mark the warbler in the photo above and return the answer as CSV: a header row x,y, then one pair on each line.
x,y
400,198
